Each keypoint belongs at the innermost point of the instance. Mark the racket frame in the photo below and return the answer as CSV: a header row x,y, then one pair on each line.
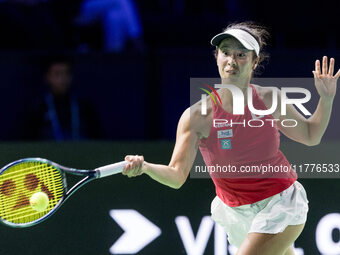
x,y
89,176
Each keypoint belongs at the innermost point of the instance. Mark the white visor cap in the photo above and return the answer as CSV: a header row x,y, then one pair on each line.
x,y
245,38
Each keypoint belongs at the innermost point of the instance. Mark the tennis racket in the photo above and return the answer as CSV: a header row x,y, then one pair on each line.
x,y
21,179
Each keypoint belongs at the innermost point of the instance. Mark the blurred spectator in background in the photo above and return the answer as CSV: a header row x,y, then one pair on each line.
x,y
119,19
60,114
29,24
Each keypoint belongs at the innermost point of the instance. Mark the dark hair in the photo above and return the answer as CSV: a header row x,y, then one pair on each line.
x,y
51,60
260,33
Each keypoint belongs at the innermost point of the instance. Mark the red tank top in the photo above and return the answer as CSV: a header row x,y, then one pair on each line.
x,y
242,147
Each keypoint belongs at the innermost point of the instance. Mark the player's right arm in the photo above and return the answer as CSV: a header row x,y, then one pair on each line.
x,y
175,174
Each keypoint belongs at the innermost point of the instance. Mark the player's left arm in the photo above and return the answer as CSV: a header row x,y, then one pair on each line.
x,y
310,131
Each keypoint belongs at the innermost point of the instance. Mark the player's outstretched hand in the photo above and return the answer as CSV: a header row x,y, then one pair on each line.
x,y
134,167
325,81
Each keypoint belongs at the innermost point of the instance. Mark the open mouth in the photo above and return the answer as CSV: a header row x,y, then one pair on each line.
x,y
231,71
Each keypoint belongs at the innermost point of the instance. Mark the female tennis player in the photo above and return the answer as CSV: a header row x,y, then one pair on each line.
x,y
260,215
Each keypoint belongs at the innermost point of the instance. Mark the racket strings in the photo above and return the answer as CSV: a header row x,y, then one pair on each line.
x,y
19,182
24,170
12,200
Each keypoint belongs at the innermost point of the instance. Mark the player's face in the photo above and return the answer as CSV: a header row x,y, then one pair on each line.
x,y
235,63
59,78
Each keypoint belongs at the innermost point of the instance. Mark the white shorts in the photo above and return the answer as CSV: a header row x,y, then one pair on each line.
x,y
271,215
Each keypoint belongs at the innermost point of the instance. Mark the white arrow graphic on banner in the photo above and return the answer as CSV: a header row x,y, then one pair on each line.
x,y
139,232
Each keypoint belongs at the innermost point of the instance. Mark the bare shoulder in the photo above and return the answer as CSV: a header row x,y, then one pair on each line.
x,y
266,94
194,119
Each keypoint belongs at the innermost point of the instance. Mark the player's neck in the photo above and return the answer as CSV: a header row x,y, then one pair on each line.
x,y
243,85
